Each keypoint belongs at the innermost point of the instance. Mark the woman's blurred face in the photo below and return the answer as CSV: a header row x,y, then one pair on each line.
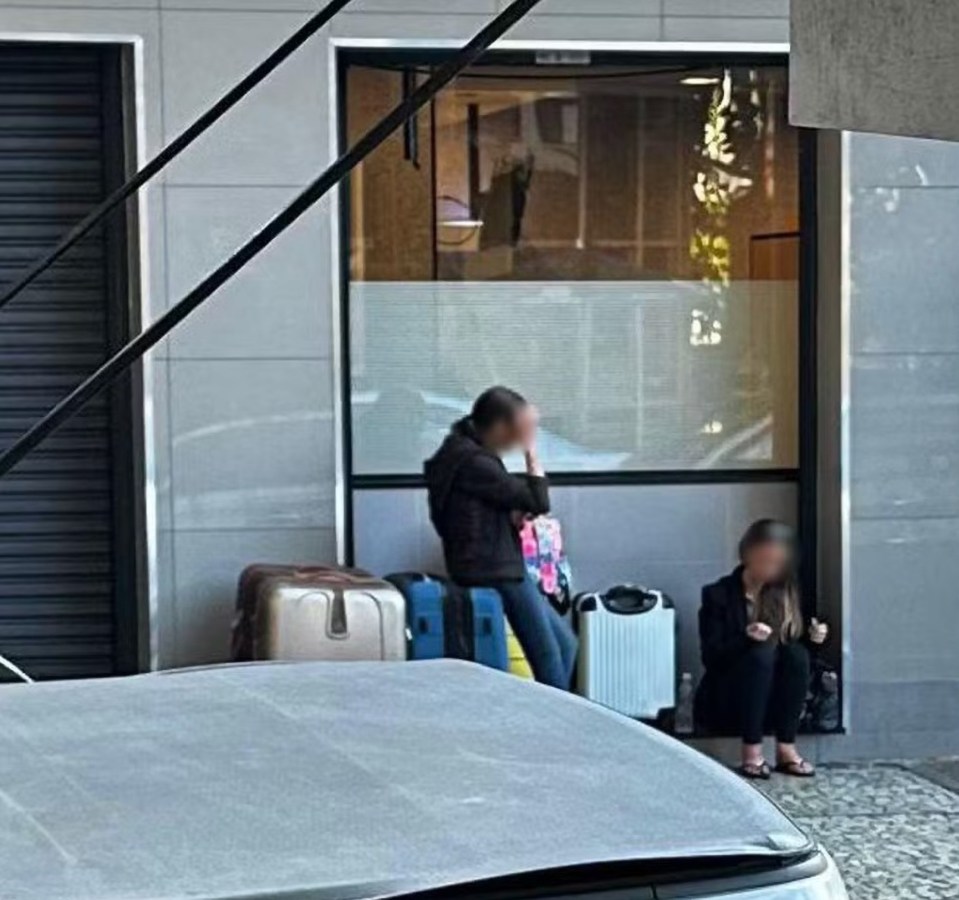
x,y
504,436
768,562
513,433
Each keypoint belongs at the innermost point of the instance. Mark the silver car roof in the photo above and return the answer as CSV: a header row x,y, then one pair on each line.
x,y
358,779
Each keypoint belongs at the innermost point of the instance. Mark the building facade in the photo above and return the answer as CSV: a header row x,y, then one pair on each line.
x,y
273,420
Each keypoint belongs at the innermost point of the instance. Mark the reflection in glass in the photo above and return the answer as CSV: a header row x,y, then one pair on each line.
x,y
620,245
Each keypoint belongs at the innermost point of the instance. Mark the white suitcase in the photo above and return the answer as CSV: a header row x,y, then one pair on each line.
x,y
305,615
628,651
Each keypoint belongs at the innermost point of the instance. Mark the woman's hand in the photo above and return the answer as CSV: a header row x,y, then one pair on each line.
x,y
818,632
529,428
759,632
528,431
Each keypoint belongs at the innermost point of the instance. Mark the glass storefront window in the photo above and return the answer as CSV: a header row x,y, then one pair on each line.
x,y
622,246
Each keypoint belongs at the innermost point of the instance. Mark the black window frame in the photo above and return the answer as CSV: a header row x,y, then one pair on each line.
x,y
804,476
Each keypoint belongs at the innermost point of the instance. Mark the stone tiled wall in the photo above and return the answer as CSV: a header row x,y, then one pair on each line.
x,y
904,444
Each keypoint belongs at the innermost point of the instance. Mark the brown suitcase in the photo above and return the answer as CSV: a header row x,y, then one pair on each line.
x,y
317,613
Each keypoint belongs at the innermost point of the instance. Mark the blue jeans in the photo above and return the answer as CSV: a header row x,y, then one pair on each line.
x,y
546,638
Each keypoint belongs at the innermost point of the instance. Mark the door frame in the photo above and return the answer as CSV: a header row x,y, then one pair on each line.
x,y
127,293
126,396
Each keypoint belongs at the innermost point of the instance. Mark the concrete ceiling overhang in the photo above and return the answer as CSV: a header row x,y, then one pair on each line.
x,y
888,66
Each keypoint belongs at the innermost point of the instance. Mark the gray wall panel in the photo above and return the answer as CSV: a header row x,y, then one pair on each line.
x,y
900,308
905,420
884,163
905,618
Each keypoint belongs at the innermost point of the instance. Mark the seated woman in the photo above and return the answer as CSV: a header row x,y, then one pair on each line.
x,y
752,633
475,506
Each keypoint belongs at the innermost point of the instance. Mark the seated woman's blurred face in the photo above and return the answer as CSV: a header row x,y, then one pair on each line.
x,y
768,562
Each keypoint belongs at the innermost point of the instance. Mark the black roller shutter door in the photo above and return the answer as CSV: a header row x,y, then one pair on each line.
x,y
58,513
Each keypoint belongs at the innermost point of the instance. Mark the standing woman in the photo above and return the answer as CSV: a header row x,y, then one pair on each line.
x,y
475,505
753,641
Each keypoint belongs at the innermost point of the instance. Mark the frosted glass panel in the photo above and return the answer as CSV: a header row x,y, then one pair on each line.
x,y
628,375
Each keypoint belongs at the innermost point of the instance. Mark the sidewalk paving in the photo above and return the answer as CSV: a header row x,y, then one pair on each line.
x,y
892,829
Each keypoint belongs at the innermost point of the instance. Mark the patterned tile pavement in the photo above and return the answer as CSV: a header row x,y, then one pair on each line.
x,y
893,833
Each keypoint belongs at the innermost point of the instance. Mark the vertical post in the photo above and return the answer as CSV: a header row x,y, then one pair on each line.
x,y
808,410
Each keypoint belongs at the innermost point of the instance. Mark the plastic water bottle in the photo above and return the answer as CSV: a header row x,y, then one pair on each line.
x,y
684,705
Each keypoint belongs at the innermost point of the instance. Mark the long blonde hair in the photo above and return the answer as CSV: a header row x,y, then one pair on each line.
x,y
779,606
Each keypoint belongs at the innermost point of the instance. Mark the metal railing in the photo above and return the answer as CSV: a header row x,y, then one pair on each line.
x,y
120,362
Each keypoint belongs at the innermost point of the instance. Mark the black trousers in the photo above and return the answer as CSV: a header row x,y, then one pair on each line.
x,y
770,682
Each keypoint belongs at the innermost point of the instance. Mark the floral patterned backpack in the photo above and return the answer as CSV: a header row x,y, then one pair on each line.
x,y
546,561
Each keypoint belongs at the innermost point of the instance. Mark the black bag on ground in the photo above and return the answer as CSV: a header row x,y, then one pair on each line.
x,y
823,712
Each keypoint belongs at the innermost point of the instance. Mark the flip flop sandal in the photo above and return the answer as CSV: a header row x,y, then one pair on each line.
x,y
797,768
755,771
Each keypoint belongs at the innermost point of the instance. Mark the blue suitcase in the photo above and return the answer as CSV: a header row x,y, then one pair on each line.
x,y
446,621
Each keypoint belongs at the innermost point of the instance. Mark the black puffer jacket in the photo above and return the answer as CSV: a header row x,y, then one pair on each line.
x,y
472,501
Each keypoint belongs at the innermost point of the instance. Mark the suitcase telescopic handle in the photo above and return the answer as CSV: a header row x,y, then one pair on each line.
x,y
345,578
337,626
337,621
415,577
630,600
311,573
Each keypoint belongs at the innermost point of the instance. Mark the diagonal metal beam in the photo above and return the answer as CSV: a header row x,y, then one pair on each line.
x,y
175,147
114,367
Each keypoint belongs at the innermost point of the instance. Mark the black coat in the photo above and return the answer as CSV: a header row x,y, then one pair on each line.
x,y
472,500
723,617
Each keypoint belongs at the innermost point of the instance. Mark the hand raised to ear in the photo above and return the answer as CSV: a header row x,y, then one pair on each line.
x,y
818,632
